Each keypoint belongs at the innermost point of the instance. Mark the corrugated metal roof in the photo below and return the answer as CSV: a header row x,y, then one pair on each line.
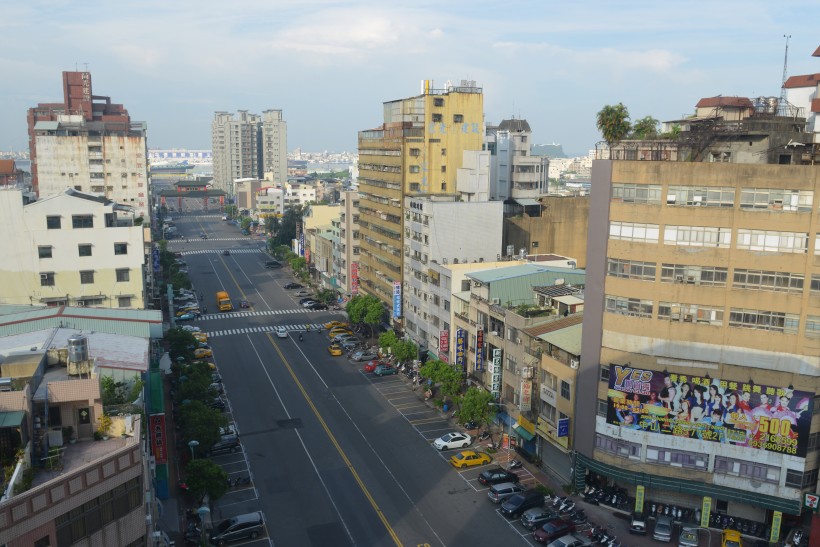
x,y
568,339
139,323
46,126
556,324
510,272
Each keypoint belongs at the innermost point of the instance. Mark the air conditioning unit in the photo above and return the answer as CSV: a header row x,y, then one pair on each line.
x,y
574,363
678,279
526,373
494,333
517,340
81,303
496,301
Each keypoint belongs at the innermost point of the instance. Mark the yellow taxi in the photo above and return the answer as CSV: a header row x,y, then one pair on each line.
x,y
201,337
469,458
731,538
335,350
201,353
334,324
335,332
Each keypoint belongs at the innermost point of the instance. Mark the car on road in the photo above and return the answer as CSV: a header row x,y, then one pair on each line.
x,y
468,458
316,306
281,332
553,530
730,538
350,344
503,490
226,252
515,505
244,304
334,324
187,317
364,355
247,526
335,350
192,310
385,370
272,264
202,353
535,518
371,366
200,336
497,475
338,330
292,286
455,439
203,236
190,328
306,302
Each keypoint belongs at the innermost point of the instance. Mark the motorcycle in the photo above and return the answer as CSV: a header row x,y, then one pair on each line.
x,y
515,464
484,435
566,508
300,337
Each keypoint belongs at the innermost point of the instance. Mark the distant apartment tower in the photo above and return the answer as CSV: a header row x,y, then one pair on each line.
x,y
416,151
89,144
517,177
248,146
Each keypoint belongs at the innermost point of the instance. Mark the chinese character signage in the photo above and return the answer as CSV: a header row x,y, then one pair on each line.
x,y
155,259
354,278
159,444
396,299
526,396
640,492
706,510
479,349
563,427
444,345
746,414
461,348
495,374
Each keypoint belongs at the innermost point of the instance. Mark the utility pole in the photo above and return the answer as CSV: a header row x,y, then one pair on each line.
x,y
785,66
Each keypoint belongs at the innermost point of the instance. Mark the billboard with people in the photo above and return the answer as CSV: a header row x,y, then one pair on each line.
x,y
761,417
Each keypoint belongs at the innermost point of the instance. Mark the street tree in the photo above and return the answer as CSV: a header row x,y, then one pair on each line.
x,y
271,224
179,343
205,477
287,226
613,123
405,351
448,378
645,128
200,423
387,340
366,310
194,385
475,406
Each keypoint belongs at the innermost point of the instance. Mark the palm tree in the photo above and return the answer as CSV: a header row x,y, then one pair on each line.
x,y
613,122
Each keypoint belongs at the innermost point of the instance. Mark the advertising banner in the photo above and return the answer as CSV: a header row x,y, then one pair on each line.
x,y
396,299
495,374
706,510
159,443
479,349
444,345
461,348
640,491
760,417
354,278
526,396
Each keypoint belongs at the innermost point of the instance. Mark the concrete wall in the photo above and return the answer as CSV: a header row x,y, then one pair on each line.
x,y
561,229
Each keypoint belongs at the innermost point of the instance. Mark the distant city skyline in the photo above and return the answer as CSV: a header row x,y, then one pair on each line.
x,y
330,64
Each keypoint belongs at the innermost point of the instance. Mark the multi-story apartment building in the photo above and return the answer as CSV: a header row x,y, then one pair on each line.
x,y
346,252
89,144
248,146
417,150
71,249
517,177
701,335
442,232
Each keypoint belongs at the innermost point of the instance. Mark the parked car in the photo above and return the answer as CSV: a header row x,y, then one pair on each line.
x,y
217,403
203,236
303,292
305,302
281,332
385,369
515,505
349,344
663,529
271,264
468,458
344,337
501,491
688,538
536,517
497,475
730,538
370,367
187,317
225,445
316,306
572,540
553,530
335,350
190,328
455,439
247,526
292,286
637,524
334,324
202,353
364,355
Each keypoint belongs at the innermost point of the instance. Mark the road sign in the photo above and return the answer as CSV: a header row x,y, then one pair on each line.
x,y
811,500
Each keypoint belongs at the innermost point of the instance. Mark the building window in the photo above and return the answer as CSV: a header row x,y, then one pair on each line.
x,y
764,320
604,375
813,326
120,248
705,196
694,275
86,277
776,199
84,249
603,408
44,251
629,306
763,280
794,478
437,118
690,313
772,241
82,221
124,301
637,193
53,223
697,236
414,169
443,168
414,187
443,151
631,269
565,390
47,279
123,275
438,101
634,231
415,152
458,118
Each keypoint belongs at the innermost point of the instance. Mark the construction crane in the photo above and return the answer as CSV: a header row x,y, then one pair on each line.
x,y
785,67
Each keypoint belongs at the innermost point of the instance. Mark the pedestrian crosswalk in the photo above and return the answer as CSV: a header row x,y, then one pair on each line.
x,y
266,328
262,313
220,251
182,241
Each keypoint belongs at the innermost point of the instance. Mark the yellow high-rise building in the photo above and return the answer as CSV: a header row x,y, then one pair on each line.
x,y
416,151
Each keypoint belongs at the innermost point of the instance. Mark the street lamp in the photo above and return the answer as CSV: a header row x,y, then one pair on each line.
x,y
193,444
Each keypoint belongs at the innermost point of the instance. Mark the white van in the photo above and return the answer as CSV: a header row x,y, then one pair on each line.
x,y
663,529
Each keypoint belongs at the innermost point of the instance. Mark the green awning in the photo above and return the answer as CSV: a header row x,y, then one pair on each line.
x,y
523,433
12,418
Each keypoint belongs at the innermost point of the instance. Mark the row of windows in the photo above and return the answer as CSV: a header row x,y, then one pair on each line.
x,y
93,515
690,313
83,249
47,279
457,118
714,196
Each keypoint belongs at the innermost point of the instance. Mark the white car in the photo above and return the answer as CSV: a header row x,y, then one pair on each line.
x,y
281,332
190,328
455,439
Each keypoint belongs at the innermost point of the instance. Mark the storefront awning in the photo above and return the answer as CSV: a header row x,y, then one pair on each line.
x,y
526,202
523,433
12,418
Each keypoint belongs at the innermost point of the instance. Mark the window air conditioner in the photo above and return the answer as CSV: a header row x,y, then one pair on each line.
x,y
526,373
496,301
574,363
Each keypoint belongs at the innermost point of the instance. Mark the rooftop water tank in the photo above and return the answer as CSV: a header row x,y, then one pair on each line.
x,y
77,348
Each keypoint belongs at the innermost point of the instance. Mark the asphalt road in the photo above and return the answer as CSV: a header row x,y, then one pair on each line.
x,y
333,462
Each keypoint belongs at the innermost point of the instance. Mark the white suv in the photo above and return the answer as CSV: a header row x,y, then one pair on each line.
x,y
281,332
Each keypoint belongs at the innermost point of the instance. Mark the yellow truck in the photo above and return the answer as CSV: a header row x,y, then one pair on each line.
x,y
223,301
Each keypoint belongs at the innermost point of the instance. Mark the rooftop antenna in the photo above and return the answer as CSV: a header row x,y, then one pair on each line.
x,y
785,66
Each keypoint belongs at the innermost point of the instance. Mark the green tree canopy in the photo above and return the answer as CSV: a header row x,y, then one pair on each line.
x,y
388,339
367,310
405,351
179,341
645,128
446,375
205,477
613,123
200,423
287,225
475,406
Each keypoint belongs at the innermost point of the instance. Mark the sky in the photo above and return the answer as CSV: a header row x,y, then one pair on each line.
x,y
330,64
